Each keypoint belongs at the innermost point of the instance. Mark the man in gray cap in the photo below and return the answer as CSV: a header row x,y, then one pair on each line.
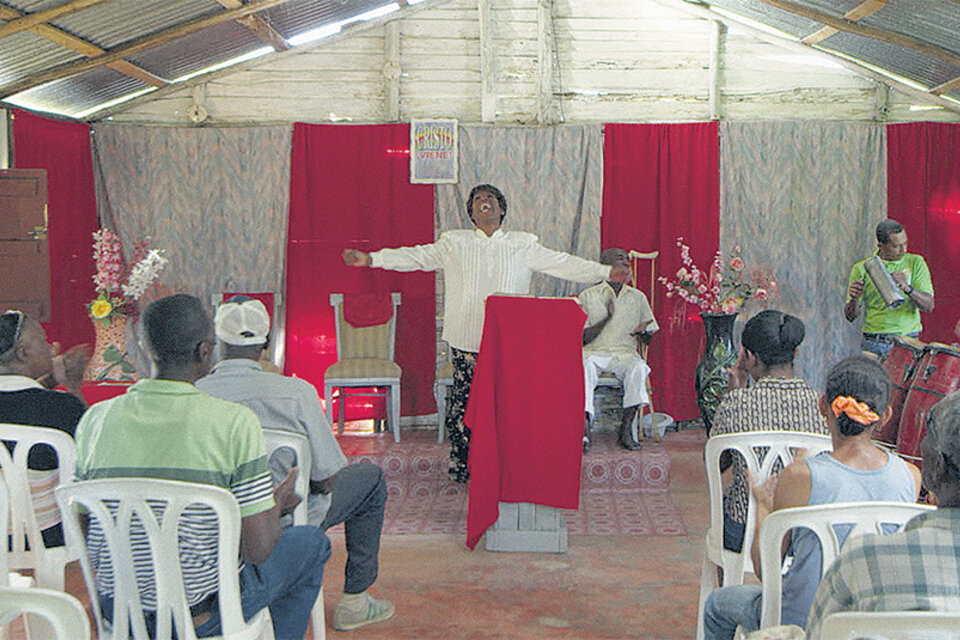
x,y
918,568
354,494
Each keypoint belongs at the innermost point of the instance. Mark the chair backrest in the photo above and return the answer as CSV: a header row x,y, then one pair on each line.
x,y
24,525
822,520
129,508
274,439
365,342
891,625
773,446
63,613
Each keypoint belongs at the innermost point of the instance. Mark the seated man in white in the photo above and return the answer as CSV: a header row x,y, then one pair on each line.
x,y
619,319
354,494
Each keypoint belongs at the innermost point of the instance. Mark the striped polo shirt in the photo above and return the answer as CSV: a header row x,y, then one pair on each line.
x,y
172,431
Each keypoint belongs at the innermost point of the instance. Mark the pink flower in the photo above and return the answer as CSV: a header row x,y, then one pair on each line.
x,y
761,294
702,288
736,264
682,273
736,249
730,305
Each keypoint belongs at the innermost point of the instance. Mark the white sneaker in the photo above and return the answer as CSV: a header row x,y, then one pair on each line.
x,y
373,611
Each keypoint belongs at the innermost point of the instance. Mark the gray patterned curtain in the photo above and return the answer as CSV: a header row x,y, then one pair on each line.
x,y
552,178
803,198
215,199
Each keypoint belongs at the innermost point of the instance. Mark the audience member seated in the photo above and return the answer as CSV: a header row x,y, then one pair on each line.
x,y
856,401
165,428
917,568
777,401
619,319
27,365
354,494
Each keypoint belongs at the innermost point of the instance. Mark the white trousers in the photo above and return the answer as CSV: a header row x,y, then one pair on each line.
x,y
629,368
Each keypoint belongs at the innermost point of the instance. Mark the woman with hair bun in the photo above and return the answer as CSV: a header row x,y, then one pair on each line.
x,y
855,402
777,401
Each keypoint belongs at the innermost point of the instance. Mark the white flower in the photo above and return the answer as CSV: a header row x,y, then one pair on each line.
x,y
144,273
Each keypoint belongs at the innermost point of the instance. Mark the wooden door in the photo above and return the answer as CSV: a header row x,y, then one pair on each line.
x,y
24,255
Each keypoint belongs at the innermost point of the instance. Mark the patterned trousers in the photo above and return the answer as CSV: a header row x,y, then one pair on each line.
x,y
464,363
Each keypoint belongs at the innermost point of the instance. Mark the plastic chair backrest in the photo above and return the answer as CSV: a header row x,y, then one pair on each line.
x,y
122,505
891,625
365,342
23,526
780,445
63,613
865,517
274,439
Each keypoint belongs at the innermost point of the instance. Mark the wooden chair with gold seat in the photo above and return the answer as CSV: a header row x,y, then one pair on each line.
x,y
365,365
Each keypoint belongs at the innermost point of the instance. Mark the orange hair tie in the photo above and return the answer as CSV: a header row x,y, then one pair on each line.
x,y
856,411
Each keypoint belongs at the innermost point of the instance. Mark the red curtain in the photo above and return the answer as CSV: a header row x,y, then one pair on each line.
x,y
63,149
923,194
661,182
350,187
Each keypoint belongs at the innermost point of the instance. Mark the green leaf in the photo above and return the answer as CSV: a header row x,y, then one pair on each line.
x,y
112,354
126,367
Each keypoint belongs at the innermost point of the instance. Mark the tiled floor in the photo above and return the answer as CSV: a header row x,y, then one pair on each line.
x,y
603,587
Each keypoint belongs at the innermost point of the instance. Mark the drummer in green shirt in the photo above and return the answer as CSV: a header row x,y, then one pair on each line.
x,y
911,275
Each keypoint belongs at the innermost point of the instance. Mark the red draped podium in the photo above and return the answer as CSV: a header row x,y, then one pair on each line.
x,y
526,408
923,194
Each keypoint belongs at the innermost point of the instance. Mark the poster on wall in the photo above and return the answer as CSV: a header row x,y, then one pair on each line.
x,y
433,151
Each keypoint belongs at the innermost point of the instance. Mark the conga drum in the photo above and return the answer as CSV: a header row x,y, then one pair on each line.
x,y
937,375
900,365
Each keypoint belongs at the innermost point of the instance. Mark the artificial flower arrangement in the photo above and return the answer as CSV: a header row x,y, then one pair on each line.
x,y
725,288
119,287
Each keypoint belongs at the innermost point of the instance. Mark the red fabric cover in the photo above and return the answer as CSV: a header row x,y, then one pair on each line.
x,y
63,149
94,392
367,309
923,194
350,187
525,410
660,182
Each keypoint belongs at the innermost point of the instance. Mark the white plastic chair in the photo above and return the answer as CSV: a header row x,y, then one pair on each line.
x,y
891,625
48,564
365,359
116,503
64,615
274,439
865,517
441,389
780,445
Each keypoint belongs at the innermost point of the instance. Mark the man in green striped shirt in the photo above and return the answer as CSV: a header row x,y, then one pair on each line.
x,y
165,428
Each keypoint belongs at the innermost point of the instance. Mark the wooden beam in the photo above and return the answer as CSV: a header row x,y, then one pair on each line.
x,y
142,44
26,21
488,60
947,86
391,70
545,47
717,37
862,10
88,49
260,27
890,37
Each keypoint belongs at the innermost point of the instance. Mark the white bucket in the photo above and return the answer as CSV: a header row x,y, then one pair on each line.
x,y
662,421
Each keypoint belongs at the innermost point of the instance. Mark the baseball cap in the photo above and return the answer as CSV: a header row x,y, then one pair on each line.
x,y
242,323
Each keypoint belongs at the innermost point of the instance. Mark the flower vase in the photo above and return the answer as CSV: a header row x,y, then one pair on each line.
x,y
110,361
719,355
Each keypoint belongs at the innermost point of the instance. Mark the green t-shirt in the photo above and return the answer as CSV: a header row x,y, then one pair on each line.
x,y
905,319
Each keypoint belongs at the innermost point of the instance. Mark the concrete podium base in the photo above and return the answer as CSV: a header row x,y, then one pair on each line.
x,y
523,526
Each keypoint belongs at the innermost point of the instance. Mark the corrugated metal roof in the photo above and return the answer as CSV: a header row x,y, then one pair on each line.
x,y
74,95
933,21
764,13
298,16
114,23
923,69
198,51
23,54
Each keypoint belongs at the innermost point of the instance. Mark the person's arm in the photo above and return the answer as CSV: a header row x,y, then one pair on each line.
x,y
590,333
259,532
852,309
423,257
834,592
920,288
790,489
571,267
326,456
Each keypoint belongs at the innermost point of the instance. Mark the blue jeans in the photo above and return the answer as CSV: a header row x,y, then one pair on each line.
x,y
358,500
288,582
731,606
881,347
